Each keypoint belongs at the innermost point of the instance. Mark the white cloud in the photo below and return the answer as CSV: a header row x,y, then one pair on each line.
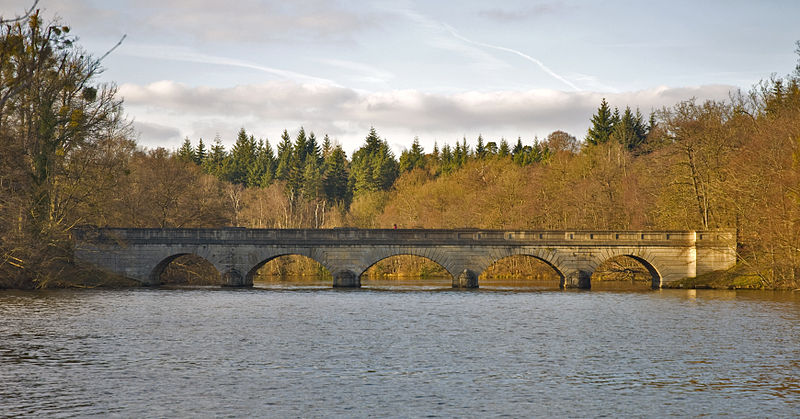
x,y
155,134
399,115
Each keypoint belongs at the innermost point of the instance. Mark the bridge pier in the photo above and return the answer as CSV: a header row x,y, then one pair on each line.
x,y
232,278
578,279
346,279
466,279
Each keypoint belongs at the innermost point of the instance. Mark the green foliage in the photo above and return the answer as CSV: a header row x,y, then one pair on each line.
x,y
186,153
335,178
373,167
630,131
216,160
262,172
503,150
327,148
448,163
200,153
413,158
285,152
480,148
491,148
602,125
242,159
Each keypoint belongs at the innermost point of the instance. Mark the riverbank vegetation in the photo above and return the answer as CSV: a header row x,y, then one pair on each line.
x,y
68,158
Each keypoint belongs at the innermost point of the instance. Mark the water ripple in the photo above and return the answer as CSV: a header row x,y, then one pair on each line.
x,y
437,353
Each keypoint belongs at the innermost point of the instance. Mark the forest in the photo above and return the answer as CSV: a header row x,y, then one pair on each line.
x,y
68,158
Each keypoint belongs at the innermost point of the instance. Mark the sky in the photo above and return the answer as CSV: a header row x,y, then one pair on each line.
x,y
437,70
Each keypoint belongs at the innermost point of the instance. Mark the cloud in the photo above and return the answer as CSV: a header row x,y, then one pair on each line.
x,y
152,133
247,21
266,109
526,13
361,72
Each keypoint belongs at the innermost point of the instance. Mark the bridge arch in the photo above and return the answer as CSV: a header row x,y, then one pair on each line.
x,y
308,253
548,256
557,274
642,256
160,267
433,255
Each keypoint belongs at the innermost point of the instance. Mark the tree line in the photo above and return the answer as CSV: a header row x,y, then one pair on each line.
x,y
68,158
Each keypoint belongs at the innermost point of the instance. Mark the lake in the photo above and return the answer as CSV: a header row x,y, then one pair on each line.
x,y
305,350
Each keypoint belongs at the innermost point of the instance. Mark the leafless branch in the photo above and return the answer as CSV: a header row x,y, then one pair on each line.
x,y
25,16
112,48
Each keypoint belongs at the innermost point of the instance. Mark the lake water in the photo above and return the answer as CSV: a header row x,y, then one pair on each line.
x,y
409,351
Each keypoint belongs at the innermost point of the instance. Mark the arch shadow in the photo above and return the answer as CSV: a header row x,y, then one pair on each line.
x,y
155,278
251,274
655,275
430,276
560,278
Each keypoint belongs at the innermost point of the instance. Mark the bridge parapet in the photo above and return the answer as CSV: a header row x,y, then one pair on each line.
x,y
403,236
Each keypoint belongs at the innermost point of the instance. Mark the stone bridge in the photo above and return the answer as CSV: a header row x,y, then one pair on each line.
x,y
237,253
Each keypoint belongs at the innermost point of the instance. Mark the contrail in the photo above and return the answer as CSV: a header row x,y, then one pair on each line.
x,y
513,51
182,54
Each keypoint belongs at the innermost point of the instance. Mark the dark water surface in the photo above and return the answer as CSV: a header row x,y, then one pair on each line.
x,y
311,352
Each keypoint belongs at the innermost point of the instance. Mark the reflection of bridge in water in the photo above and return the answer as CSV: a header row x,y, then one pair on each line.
x,y
237,253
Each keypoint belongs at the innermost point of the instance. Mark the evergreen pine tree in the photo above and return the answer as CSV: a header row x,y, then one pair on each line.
x,y
200,153
491,148
457,156
480,149
326,147
313,151
284,157
242,157
503,150
384,167
413,158
447,159
651,124
335,178
215,162
629,131
186,152
294,181
261,172
602,125
301,148
312,180
517,148
373,167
